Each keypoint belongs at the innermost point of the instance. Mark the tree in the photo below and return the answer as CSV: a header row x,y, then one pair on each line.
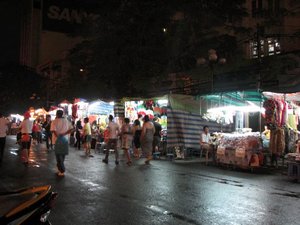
x,y
135,44
20,87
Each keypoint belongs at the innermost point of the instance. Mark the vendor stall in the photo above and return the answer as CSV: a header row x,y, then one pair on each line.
x,y
281,117
243,150
98,112
79,109
156,107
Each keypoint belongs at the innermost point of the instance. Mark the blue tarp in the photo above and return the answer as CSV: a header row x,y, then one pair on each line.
x,y
100,108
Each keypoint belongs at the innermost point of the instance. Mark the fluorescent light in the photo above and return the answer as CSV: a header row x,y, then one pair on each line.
x,y
162,101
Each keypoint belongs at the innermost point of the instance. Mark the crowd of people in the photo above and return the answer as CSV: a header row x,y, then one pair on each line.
x,y
143,137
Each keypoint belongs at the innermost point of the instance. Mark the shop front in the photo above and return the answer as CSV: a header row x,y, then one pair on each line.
x,y
156,107
282,119
98,112
229,116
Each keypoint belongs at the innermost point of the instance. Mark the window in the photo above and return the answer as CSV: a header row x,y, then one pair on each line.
x,y
268,47
273,46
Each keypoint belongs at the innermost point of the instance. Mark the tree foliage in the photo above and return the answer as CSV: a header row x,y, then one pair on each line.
x,y
20,88
135,44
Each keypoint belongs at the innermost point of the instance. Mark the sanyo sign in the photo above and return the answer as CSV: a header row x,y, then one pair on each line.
x,y
69,15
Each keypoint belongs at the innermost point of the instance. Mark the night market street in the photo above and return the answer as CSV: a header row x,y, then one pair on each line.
x,y
181,192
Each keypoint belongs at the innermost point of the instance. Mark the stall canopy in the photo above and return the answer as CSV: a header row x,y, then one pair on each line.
x,y
185,122
99,107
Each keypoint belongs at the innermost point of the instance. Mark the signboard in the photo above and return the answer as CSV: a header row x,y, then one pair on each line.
x,y
100,108
68,15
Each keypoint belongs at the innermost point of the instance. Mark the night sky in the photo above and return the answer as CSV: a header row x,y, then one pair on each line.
x,y
10,31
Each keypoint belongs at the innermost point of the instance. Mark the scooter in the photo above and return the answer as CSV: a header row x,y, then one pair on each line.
x,y
27,206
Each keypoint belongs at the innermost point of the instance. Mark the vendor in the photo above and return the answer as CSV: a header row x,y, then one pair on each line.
x,y
266,137
205,142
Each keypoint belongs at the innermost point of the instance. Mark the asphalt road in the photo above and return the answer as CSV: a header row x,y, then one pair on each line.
x,y
181,192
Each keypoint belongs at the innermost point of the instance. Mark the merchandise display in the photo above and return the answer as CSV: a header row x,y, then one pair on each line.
x,y
152,108
242,150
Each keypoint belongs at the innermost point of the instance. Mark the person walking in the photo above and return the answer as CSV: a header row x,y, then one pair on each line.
x,y
137,131
114,131
46,126
147,135
87,137
78,134
3,131
60,128
126,134
26,132
157,135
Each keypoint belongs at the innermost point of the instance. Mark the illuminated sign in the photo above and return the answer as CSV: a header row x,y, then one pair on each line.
x,y
67,16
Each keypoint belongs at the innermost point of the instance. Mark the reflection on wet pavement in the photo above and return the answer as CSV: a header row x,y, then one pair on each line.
x,y
163,193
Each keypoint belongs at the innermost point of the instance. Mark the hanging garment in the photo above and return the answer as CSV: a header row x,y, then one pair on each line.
x,y
277,141
284,114
279,108
269,106
292,121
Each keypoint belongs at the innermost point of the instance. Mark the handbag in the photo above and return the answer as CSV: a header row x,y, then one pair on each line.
x,y
25,138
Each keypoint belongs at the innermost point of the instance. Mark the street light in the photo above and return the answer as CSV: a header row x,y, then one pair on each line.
x,y
211,61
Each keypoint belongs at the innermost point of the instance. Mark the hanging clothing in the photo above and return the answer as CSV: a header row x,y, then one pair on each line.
x,y
292,122
277,141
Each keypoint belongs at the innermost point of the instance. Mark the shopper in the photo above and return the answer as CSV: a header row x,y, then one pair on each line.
x,y
3,131
26,131
78,134
147,135
46,126
114,132
126,134
87,137
157,135
60,128
137,131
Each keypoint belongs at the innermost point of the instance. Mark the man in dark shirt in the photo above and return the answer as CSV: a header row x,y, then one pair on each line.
x,y
46,126
157,135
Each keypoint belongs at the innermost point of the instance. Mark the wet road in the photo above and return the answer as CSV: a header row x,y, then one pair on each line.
x,y
162,193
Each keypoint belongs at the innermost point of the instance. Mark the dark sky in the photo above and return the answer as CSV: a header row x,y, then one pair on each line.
x,y
10,31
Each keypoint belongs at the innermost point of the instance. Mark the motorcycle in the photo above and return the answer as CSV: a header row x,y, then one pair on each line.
x,y
27,206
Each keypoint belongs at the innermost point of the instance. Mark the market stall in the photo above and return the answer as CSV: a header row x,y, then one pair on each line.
x,y
282,118
156,107
243,150
98,112
79,109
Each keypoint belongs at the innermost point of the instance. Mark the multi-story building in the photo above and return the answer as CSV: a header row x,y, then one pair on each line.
x,y
47,36
47,24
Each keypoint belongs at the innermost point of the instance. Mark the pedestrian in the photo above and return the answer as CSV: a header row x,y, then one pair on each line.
x,y
26,132
87,136
157,135
137,131
34,132
60,128
72,135
126,134
114,132
3,131
47,126
148,131
78,134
